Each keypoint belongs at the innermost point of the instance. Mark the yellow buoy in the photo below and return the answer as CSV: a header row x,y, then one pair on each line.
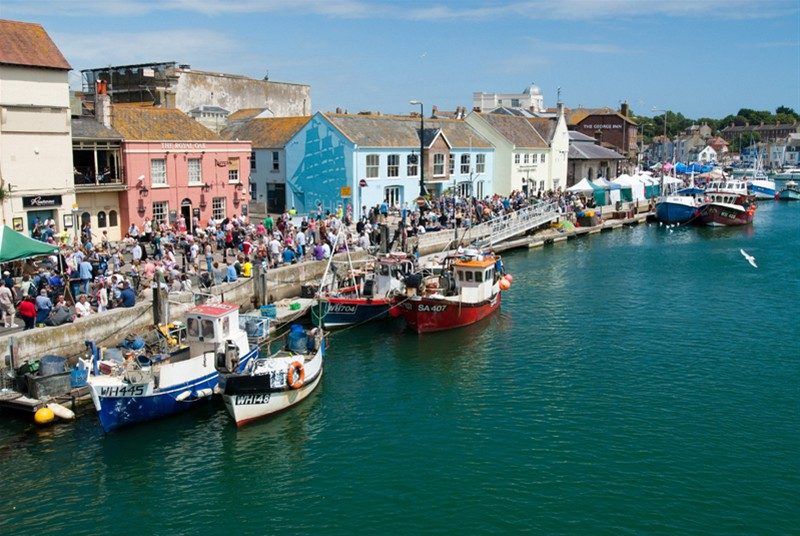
x,y
44,416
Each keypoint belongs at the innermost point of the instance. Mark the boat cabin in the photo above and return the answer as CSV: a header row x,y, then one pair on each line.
x,y
475,277
390,273
214,328
726,191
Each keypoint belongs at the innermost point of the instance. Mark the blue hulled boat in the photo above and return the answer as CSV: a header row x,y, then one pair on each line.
x,y
142,388
790,192
680,207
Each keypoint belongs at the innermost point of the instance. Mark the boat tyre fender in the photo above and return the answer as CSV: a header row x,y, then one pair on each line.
x,y
296,375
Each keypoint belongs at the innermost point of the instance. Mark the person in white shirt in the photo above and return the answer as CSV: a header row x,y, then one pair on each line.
x,y
363,241
82,307
102,298
326,250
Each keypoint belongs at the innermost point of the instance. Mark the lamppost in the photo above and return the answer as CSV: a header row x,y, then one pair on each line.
x,y
665,131
641,141
422,191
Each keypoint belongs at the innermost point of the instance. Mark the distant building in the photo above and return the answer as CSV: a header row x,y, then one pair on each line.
x,y
610,128
212,117
364,160
36,172
269,137
174,85
590,160
530,99
766,132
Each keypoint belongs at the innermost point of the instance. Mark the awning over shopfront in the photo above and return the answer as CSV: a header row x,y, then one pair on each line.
x,y
15,246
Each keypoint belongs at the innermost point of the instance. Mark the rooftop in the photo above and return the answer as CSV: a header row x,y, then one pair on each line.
x,y
144,122
27,44
577,116
520,131
87,128
268,132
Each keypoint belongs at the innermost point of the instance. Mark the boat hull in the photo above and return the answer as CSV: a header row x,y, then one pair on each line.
x,y
425,315
123,405
762,189
725,215
675,211
789,195
340,312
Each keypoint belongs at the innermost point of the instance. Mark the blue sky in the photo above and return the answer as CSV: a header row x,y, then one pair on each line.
x,y
703,58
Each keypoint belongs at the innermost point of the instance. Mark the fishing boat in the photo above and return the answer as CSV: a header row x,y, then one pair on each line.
x,y
790,192
145,387
759,185
466,290
727,203
274,383
678,206
369,296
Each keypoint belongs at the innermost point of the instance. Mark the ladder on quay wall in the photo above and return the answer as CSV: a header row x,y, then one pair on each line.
x,y
516,223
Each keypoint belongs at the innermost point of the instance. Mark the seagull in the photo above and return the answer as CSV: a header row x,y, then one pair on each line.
x,y
750,258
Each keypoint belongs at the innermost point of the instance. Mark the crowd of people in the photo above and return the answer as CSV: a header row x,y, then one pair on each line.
x,y
90,274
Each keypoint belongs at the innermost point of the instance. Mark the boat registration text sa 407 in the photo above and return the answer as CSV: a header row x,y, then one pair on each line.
x,y
123,390
425,308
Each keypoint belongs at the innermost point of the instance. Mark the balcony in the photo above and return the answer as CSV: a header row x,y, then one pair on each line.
x,y
88,181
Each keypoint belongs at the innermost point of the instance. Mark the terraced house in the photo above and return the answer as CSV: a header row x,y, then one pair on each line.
x,y
364,160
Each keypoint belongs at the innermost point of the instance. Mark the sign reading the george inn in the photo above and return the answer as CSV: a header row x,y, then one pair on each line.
x,y
41,201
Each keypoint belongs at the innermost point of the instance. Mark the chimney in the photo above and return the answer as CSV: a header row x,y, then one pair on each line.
x,y
338,110
102,109
624,109
434,110
560,108
476,109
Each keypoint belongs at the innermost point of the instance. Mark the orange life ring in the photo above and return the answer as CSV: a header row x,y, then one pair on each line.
x,y
298,383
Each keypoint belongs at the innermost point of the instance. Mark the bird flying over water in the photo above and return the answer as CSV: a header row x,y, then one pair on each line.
x,y
750,258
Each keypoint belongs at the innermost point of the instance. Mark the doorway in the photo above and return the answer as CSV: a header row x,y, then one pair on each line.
x,y
276,198
37,216
186,214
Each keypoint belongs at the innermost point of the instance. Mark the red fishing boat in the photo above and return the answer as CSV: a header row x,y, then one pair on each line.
x,y
466,290
727,203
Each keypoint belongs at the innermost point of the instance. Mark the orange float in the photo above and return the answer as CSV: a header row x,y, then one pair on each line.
x,y
296,368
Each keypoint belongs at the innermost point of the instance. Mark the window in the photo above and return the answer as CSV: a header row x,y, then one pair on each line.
x,y
479,190
252,160
276,161
541,159
438,164
101,220
556,183
218,208
452,166
393,166
516,158
160,211
480,163
373,162
393,195
112,219
158,171
195,171
207,328
465,158
515,103
479,277
411,165
468,276
541,185
233,169
526,158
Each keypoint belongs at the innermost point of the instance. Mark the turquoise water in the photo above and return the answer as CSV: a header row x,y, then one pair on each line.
x,y
635,382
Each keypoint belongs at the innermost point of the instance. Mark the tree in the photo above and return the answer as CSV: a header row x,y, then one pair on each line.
x,y
784,110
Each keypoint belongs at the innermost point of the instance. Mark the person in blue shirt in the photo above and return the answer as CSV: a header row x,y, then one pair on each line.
x,y
289,256
230,274
85,273
127,296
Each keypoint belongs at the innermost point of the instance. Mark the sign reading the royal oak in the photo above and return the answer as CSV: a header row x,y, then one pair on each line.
x,y
39,201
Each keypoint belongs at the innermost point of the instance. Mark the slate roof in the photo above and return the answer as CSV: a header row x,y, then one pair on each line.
x,y
209,109
403,131
244,113
88,128
144,122
588,150
268,132
517,130
575,135
545,127
575,117
27,44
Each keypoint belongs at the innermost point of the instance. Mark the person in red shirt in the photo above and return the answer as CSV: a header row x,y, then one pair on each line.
x,y
27,311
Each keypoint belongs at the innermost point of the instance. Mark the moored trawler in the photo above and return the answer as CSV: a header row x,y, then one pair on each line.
x,y
727,203
466,291
790,192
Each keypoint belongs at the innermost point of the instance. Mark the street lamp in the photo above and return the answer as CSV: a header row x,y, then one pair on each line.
x,y
422,191
641,141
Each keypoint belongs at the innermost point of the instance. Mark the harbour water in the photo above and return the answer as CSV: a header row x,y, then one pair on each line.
x,y
639,381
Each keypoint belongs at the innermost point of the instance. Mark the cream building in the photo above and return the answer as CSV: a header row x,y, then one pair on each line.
x,y
36,174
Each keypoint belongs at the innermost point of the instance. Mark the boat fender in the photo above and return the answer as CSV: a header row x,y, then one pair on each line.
x,y
44,416
202,393
217,389
61,412
295,369
183,396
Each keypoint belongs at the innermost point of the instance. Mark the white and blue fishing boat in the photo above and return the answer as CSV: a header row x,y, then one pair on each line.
x,y
790,192
788,174
146,387
678,206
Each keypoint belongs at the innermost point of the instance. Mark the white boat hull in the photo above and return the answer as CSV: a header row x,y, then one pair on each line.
x,y
248,408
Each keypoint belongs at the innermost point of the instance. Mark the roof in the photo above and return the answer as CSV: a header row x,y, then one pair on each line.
x,y
545,127
403,131
244,113
88,128
214,309
210,109
517,130
268,132
27,44
576,135
144,122
588,150
577,116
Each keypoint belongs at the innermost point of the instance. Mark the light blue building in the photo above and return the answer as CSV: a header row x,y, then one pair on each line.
x,y
363,160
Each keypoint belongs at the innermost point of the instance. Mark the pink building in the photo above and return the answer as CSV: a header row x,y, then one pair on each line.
x,y
174,167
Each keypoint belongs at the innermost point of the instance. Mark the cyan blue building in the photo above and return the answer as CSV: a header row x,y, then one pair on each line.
x,y
363,160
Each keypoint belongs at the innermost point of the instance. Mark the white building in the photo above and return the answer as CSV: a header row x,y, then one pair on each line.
x,y
36,171
530,99
530,153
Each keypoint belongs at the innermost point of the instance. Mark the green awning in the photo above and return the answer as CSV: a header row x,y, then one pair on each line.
x,y
15,246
